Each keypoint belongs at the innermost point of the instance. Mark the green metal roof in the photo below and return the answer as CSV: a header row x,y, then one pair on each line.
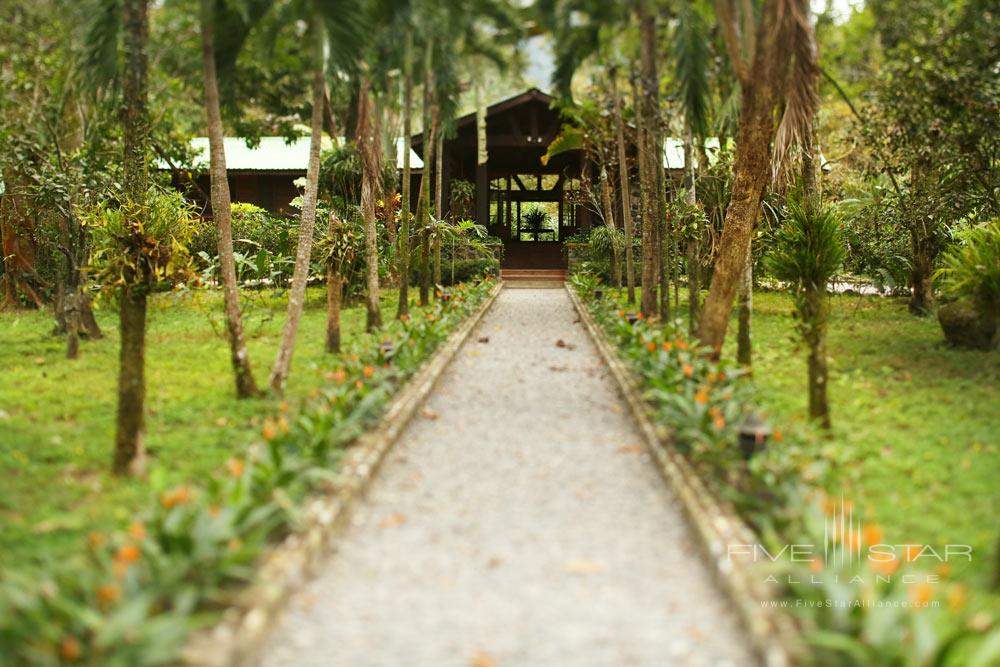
x,y
276,154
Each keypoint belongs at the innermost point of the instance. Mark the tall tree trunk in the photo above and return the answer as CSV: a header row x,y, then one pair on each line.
x,y
129,457
334,290
760,89
371,179
819,406
438,201
921,273
239,356
693,250
744,340
307,220
403,254
648,119
424,203
609,221
625,191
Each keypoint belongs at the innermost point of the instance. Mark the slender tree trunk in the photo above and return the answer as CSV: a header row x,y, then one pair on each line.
x,y
625,191
693,250
751,171
921,273
649,119
129,457
424,203
403,253
438,201
307,221
371,177
609,221
129,452
239,356
819,407
667,247
744,341
334,290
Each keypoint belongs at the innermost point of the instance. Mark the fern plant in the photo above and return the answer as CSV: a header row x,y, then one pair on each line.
x,y
971,269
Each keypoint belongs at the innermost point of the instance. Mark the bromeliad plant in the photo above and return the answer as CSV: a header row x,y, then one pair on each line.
x,y
809,250
134,593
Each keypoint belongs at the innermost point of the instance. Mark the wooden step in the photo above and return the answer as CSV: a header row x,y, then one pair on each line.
x,y
533,274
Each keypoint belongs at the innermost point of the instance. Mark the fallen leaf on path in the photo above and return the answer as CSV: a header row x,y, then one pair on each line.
x,y
484,339
616,408
630,449
482,659
429,414
558,369
583,567
394,520
563,344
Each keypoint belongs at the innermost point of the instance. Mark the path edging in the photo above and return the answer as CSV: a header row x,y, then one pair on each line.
x,y
773,634
237,637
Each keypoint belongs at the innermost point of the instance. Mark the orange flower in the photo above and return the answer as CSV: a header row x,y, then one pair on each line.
x,y
96,540
178,496
270,430
872,534
283,406
710,377
368,371
108,593
359,385
70,649
340,376
958,596
829,506
816,565
943,570
639,315
682,345
128,553
621,313
921,594
688,370
885,567
430,316
235,468
911,552
404,318
283,424
651,346
714,411
667,346
719,423
701,397
722,376
778,435
137,531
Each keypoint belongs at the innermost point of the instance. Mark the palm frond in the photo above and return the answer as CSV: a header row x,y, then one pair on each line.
x,y
692,59
100,58
802,91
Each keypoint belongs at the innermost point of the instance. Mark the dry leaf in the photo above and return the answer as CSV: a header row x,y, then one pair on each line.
x,y
394,520
429,414
563,344
616,408
630,449
558,369
583,567
482,659
484,339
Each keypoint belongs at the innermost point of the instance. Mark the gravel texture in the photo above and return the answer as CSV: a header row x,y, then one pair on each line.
x,y
517,522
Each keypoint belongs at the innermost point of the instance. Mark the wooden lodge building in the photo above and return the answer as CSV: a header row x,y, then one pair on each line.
x,y
510,183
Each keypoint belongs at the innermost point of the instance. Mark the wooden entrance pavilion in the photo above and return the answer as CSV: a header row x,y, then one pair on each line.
x,y
513,180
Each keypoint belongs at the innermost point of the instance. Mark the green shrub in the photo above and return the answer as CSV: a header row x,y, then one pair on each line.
x,y
971,269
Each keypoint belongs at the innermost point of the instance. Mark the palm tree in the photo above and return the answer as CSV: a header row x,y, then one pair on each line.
x,y
808,252
129,455
246,386
769,43
370,145
343,20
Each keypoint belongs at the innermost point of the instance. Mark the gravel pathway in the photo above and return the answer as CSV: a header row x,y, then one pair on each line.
x,y
517,522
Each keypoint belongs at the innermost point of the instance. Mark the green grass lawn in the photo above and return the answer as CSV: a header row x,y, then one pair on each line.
x,y
57,416
916,424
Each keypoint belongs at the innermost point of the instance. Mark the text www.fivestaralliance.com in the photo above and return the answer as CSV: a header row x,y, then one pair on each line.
x,y
865,604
